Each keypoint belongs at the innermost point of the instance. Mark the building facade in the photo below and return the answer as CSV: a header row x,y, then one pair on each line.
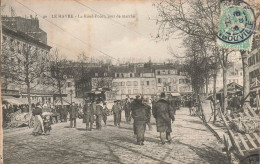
x,y
20,36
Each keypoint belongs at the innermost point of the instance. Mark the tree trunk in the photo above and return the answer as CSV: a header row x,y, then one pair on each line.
x,y
246,86
61,100
207,85
224,95
214,96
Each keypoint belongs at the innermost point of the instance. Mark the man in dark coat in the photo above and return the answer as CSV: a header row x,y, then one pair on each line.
x,y
235,103
164,114
116,109
127,107
89,115
141,115
98,113
105,113
73,115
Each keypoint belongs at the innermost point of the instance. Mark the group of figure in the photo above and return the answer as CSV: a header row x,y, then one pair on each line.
x,y
95,110
140,110
42,123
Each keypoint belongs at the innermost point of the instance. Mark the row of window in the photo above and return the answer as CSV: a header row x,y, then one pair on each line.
x,y
20,45
136,91
128,83
124,75
254,59
166,72
254,74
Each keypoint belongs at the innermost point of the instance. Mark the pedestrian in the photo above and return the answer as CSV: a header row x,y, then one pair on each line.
x,y
89,115
127,108
73,115
105,113
99,110
65,113
38,122
235,103
141,115
163,114
116,109
190,104
146,103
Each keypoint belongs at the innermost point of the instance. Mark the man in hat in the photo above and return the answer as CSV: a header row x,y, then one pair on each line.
x,y
163,114
116,109
235,103
127,107
105,113
73,115
145,102
89,115
141,115
98,113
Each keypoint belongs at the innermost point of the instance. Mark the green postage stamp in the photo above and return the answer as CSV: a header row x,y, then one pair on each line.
x,y
236,26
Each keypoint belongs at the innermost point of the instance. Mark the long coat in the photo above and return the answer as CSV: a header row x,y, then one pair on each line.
x,y
163,113
99,110
116,108
140,112
73,112
88,110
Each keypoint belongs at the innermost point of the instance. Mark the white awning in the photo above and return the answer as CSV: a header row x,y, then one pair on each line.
x,y
176,94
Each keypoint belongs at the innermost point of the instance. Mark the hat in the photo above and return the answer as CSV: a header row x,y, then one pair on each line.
x,y
163,95
38,104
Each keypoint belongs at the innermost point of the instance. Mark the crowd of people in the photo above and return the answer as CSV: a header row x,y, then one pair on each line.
x,y
95,111
138,109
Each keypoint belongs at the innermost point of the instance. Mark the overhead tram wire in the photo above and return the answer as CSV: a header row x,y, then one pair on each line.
x,y
66,31
58,45
112,20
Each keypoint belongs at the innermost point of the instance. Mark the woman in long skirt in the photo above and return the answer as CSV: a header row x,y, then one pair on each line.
x,y
38,122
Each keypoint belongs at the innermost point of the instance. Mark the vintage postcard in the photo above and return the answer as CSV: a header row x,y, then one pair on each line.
x,y
130,81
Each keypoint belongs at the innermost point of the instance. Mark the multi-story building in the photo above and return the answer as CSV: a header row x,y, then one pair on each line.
x,y
254,59
168,79
18,35
234,74
126,82
147,80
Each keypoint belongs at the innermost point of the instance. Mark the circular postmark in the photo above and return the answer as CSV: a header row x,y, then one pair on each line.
x,y
237,23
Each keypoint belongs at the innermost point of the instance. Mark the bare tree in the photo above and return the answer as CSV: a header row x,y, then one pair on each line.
x,y
197,18
80,73
59,69
26,62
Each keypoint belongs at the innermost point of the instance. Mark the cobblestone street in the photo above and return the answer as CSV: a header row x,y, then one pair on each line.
x,y
192,143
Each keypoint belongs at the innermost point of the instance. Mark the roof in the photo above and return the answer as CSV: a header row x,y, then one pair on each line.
x,y
24,36
231,87
39,92
122,69
144,70
167,66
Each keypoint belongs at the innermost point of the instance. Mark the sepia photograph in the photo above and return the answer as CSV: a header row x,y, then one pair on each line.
x,y
130,82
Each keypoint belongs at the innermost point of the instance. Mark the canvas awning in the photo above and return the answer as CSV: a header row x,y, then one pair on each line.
x,y
176,94
15,101
67,101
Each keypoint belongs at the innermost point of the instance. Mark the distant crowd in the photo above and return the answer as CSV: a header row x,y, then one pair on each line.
x,y
95,111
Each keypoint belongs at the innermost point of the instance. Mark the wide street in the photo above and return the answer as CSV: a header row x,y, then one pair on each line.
x,y
192,143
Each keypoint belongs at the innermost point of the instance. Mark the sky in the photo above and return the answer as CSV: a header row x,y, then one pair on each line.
x,y
114,38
